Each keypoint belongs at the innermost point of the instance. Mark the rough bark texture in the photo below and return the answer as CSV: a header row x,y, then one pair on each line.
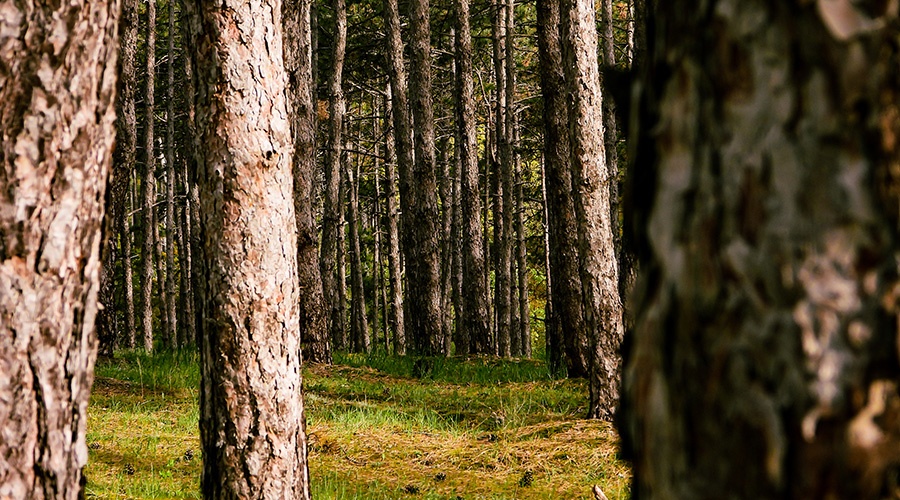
x,y
503,185
395,274
764,359
57,111
148,185
194,267
566,295
418,195
251,407
298,65
590,180
332,219
172,334
359,324
475,321
446,196
125,154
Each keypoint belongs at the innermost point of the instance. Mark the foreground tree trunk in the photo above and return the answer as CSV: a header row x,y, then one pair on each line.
x,y
475,322
590,178
764,360
566,296
251,407
298,64
57,111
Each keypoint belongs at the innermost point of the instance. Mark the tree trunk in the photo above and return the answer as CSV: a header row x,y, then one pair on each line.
x,y
567,300
764,359
446,195
395,275
359,325
418,195
332,218
314,332
161,273
57,112
475,320
503,183
125,152
590,178
148,184
192,248
251,407
552,332
170,184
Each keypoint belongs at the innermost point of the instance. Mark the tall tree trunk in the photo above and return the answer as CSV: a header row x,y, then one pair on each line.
x,y
315,339
503,183
57,112
379,317
590,178
192,248
251,407
446,195
418,195
161,273
395,275
127,252
170,184
521,266
148,184
340,292
475,320
552,331
332,219
568,306
519,314
766,319
359,324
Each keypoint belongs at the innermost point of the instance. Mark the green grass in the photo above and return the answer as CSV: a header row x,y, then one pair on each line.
x,y
476,428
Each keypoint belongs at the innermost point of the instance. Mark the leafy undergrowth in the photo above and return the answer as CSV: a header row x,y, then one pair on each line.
x,y
379,428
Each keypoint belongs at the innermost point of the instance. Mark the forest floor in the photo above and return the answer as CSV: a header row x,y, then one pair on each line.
x,y
461,429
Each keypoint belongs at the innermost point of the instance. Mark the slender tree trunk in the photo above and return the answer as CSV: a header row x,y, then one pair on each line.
x,y
170,184
161,273
359,325
552,332
519,312
446,195
251,407
340,298
377,269
503,180
298,57
391,142
148,184
521,266
475,320
57,112
418,195
332,220
766,319
193,251
127,251
566,294
590,178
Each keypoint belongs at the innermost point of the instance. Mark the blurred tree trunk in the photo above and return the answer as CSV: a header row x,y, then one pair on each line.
x,y
148,184
57,112
475,320
764,359
392,143
315,339
251,406
590,179
172,334
418,195
568,306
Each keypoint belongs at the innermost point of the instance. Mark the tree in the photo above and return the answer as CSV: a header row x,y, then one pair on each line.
x,y
251,407
764,185
172,334
148,183
57,111
475,322
298,64
590,179
390,173
359,325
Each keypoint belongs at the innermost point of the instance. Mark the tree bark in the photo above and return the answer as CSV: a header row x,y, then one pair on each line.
x,y
445,186
172,334
503,183
148,184
475,320
314,332
332,219
566,296
251,407
766,313
359,324
57,112
395,274
418,195
590,179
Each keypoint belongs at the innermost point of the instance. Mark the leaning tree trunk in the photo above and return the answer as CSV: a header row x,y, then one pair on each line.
x,y
475,320
764,360
298,64
418,195
148,184
332,220
57,112
590,178
566,296
251,407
